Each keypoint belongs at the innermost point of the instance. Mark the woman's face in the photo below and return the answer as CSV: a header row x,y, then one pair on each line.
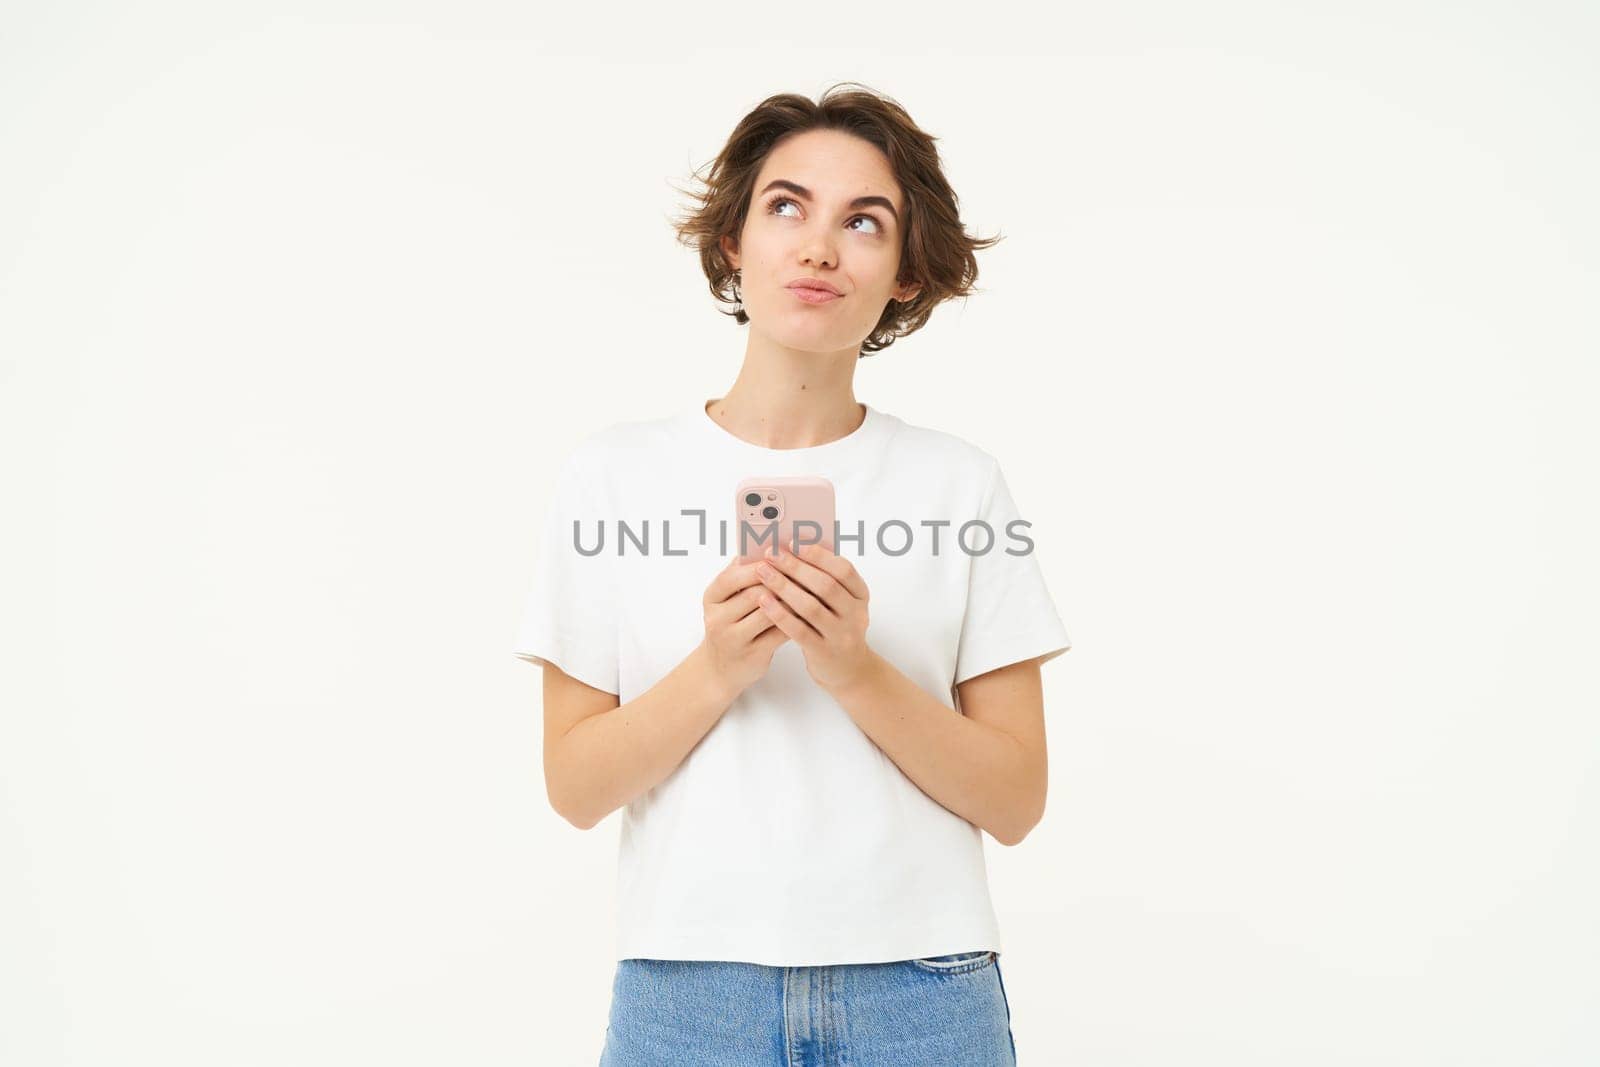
x,y
806,219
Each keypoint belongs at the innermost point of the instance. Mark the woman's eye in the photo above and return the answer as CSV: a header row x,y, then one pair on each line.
x,y
772,209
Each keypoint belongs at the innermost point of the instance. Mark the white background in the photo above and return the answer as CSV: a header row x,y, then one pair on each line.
x,y
1289,355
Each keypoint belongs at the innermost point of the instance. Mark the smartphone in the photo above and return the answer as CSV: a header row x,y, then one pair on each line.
x,y
791,511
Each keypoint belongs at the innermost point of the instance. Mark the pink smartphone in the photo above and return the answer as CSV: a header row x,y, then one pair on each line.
x,y
769,511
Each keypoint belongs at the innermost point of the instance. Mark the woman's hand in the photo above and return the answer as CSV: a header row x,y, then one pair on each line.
x,y
740,638
820,600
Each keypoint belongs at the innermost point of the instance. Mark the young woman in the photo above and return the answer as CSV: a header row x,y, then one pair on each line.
x,y
806,750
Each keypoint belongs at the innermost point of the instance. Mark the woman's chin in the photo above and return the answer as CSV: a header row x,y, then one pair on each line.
x,y
823,341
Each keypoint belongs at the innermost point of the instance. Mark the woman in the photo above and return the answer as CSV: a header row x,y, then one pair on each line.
x,y
801,873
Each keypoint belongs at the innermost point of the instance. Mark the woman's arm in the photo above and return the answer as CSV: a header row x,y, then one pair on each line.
x,y
599,755
985,762
966,760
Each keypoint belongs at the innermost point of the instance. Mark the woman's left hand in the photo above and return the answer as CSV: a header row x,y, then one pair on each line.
x,y
820,600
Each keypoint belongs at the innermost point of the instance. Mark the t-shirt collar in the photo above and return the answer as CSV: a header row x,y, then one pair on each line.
x,y
859,438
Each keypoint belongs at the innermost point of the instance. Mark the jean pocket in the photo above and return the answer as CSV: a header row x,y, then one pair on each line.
x,y
955,962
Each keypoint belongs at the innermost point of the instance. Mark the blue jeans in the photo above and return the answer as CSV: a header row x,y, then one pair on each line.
x,y
939,1010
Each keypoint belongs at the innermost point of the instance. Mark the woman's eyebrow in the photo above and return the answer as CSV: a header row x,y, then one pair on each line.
x,y
805,194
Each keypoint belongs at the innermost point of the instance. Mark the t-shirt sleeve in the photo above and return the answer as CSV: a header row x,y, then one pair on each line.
x,y
1010,615
569,617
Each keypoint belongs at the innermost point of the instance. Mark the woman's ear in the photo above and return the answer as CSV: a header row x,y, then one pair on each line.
x,y
730,251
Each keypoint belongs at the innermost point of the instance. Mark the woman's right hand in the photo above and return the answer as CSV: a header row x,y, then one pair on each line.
x,y
740,637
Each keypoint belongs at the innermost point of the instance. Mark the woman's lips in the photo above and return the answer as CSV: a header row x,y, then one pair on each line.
x,y
813,296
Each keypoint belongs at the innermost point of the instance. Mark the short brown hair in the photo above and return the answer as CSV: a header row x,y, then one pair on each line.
x,y
935,249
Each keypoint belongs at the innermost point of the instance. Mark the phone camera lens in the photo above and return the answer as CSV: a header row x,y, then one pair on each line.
x,y
752,499
769,512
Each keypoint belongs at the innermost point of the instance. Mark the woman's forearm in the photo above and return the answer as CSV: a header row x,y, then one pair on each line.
x,y
609,759
972,769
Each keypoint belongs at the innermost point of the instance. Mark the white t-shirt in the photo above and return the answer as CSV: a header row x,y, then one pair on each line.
x,y
786,837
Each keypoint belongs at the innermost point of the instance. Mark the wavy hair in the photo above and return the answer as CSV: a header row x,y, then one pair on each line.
x,y
935,251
